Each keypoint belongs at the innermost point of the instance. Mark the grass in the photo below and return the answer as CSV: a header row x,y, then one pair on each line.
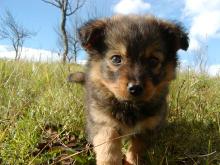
x,y
42,120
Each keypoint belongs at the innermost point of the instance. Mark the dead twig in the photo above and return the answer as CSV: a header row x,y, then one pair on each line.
x,y
86,149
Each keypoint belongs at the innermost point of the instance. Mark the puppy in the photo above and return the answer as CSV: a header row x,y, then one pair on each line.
x,y
77,77
132,60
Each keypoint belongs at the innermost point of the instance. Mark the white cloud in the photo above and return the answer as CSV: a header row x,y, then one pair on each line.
x,y
30,54
206,24
200,6
205,20
82,62
214,70
131,6
194,44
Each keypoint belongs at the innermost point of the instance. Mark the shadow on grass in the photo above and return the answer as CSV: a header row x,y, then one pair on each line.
x,y
62,147
184,142
180,142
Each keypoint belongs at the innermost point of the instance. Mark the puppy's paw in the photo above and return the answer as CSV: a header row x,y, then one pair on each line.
x,y
77,77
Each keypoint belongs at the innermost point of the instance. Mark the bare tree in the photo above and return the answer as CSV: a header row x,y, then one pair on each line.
x,y
201,58
67,8
75,48
14,32
73,39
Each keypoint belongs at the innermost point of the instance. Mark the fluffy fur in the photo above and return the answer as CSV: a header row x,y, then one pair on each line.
x,y
132,60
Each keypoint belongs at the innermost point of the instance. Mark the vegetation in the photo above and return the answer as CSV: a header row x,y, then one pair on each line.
x,y
42,120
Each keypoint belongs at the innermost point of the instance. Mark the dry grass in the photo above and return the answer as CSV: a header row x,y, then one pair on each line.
x,y
42,121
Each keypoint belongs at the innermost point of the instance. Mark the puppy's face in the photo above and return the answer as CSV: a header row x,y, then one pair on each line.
x,y
134,57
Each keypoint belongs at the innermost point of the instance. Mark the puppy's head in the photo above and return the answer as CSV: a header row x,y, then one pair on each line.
x,y
134,57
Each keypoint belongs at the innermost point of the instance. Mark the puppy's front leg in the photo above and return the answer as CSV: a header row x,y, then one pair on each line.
x,y
136,151
107,147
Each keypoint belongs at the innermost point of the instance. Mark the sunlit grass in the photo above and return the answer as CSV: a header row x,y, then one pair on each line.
x,y
42,118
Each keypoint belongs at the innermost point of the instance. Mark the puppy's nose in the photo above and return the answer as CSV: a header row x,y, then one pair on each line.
x,y
135,89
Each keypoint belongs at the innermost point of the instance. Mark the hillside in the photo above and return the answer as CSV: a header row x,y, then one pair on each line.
x,y
42,120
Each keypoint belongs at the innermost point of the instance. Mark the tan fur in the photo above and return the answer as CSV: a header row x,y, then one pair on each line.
x,y
149,90
107,147
171,73
134,152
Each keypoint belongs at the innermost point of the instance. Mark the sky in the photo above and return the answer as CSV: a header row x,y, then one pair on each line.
x,y
200,17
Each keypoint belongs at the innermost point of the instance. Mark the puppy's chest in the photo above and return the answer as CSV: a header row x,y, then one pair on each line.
x,y
131,115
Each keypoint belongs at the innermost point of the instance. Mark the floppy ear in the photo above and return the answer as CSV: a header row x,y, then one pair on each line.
x,y
92,35
174,35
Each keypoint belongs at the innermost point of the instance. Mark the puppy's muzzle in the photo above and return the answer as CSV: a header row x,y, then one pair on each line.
x,y
135,89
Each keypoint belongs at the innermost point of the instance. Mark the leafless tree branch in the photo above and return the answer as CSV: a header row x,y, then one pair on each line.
x,y
79,4
56,3
13,32
67,9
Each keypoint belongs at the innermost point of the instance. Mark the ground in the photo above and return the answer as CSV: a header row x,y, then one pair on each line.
x,y
42,119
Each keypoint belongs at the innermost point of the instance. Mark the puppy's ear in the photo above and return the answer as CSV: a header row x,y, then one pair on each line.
x,y
174,35
92,35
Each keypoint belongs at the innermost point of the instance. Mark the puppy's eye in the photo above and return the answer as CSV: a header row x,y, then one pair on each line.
x,y
116,59
153,62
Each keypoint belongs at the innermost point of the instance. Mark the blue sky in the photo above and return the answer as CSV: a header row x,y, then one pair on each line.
x,y
43,19
200,17
37,17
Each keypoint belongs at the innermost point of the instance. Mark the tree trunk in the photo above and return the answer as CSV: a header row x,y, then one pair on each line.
x,y
75,54
15,46
16,55
64,36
